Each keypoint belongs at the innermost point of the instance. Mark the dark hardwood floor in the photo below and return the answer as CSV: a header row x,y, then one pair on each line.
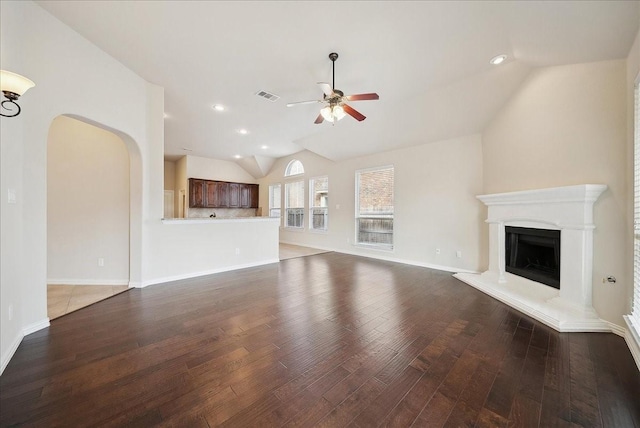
x,y
326,340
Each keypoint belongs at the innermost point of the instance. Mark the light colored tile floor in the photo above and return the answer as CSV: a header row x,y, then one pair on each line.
x,y
288,251
63,299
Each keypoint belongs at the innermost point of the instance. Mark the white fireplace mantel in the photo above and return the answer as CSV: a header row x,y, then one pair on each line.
x,y
568,209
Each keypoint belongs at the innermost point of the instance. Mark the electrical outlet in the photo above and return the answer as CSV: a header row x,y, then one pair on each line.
x,y
100,262
11,196
437,250
237,251
10,312
459,254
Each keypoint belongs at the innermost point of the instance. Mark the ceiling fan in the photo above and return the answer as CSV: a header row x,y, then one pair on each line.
x,y
334,100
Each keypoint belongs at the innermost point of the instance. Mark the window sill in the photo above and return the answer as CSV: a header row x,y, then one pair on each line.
x,y
386,249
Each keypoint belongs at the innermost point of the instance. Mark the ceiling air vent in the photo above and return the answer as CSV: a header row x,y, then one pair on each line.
x,y
269,96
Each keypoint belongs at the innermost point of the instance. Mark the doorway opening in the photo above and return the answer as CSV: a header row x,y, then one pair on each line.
x,y
88,215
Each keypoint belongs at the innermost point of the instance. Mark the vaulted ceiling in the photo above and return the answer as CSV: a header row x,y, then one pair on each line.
x,y
428,61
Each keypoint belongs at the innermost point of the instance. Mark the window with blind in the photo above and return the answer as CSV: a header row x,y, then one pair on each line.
x,y
319,203
374,207
634,318
275,200
294,204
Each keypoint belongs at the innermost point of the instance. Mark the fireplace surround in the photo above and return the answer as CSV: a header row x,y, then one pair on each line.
x,y
566,211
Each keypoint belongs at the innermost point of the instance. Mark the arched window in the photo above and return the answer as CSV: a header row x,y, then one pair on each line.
x,y
294,168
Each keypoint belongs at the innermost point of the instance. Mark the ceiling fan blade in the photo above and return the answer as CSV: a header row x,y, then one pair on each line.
x,y
326,88
319,119
303,102
363,97
353,113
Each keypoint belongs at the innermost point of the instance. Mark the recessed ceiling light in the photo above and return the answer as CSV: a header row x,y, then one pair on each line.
x,y
243,131
237,156
166,115
219,107
264,147
498,59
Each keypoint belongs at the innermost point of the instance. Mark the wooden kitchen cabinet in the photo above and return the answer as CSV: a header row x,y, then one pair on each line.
x,y
197,193
221,194
254,195
217,192
234,195
249,196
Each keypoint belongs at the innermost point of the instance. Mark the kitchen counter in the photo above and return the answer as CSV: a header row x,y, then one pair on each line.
x,y
194,220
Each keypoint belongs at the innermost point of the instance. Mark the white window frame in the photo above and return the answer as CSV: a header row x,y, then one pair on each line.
x,y
633,319
290,166
299,210
313,209
274,207
358,216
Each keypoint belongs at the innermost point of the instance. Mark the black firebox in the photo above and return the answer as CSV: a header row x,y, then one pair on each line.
x,y
533,254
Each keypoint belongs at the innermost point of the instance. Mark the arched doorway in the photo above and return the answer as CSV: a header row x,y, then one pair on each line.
x,y
88,215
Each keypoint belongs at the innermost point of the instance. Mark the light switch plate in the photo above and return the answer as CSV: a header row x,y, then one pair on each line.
x,y
11,196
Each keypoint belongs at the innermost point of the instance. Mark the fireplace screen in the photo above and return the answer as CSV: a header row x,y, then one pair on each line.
x,y
533,254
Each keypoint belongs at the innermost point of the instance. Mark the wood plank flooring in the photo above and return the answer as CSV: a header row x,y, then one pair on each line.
x,y
328,340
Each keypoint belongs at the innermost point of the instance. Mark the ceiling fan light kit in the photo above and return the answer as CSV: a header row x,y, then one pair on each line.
x,y
334,100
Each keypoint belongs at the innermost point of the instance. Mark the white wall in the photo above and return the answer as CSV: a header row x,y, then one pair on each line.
x,y
72,77
435,204
568,125
169,175
216,169
87,205
181,186
75,78
12,249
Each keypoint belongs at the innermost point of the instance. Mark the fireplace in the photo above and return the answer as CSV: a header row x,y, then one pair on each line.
x,y
533,254
522,226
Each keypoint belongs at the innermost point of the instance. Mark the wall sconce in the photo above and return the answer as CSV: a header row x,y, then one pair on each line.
x,y
12,86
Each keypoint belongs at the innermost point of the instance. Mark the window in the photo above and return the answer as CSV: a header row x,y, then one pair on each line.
x,y
275,201
318,203
374,207
294,168
294,204
634,318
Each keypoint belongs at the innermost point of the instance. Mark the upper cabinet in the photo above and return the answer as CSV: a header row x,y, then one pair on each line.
x,y
197,193
234,195
220,194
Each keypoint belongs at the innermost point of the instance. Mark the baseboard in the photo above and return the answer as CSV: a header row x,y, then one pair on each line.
x,y
204,273
63,281
12,350
616,329
387,258
632,337
31,328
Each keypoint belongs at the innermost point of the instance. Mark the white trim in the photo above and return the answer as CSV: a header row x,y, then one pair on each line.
x,y
31,328
632,337
36,326
12,350
203,273
379,257
105,282
616,329
578,193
